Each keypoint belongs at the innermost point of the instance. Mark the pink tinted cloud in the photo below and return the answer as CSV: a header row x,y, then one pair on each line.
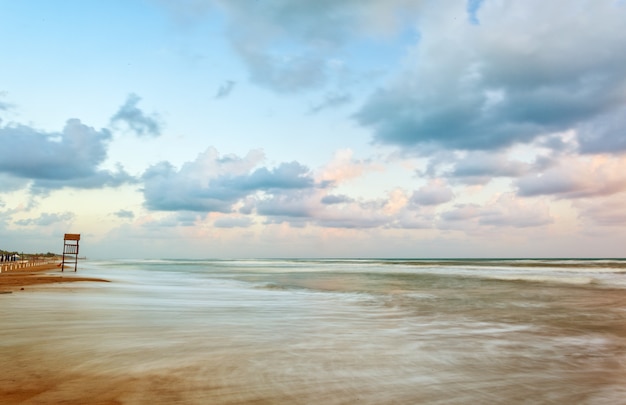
x,y
506,210
344,167
606,211
577,177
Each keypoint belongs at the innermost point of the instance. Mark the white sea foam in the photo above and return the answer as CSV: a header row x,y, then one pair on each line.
x,y
535,278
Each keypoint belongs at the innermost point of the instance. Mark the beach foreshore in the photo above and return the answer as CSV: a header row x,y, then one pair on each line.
x,y
18,277
304,332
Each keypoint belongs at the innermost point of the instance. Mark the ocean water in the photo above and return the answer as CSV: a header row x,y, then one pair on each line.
x,y
320,332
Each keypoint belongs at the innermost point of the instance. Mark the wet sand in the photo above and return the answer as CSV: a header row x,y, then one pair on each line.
x,y
21,279
24,387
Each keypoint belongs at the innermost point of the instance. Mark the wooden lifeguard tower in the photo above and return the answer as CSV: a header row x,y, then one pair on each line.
x,y
70,248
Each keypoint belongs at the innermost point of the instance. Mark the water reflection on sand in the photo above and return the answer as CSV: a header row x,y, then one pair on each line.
x,y
311,334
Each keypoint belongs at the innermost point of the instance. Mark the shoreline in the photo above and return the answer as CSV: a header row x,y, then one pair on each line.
x,y
18,279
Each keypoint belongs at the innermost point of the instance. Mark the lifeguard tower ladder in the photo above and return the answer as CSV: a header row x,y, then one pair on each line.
x,y
70,248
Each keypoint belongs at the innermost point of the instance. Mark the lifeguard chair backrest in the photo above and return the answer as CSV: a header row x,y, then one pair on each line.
x,y
72,236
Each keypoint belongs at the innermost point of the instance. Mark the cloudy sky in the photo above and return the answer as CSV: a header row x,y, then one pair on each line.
x,y
314,128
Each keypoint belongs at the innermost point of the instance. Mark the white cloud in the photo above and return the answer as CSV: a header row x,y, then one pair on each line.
x,y
52,160
225,89
135,119
529,68
434,193
216,184
46,219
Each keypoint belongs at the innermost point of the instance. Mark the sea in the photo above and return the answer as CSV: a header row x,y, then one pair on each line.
x,y
310,331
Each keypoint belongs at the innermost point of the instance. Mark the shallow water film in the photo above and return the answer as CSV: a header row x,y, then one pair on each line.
x,y
320,332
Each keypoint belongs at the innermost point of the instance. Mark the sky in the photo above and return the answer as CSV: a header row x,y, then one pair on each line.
x,y
302,128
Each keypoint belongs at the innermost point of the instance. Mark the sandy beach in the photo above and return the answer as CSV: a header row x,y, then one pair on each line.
x,y
21,279
316,331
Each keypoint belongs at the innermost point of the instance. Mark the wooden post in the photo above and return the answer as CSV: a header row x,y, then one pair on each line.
x,y
70,248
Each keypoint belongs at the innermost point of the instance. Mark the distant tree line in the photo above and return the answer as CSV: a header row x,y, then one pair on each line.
x,y
14,252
